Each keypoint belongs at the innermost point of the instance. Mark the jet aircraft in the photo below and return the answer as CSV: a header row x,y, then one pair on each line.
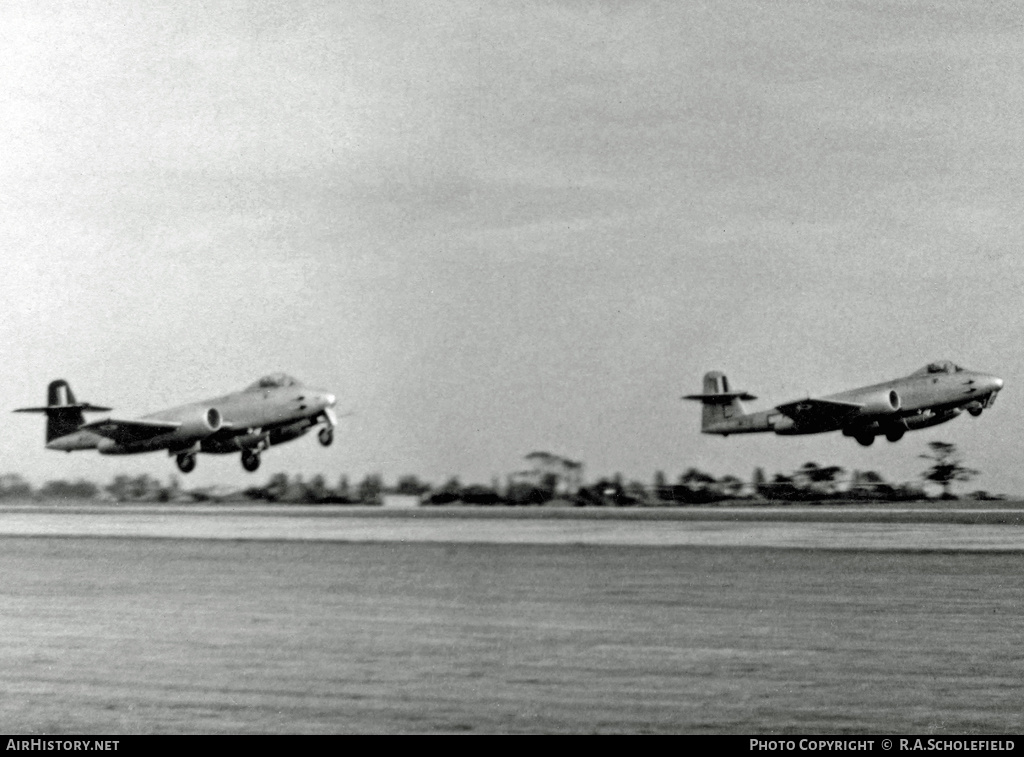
x,y
935,394
275,409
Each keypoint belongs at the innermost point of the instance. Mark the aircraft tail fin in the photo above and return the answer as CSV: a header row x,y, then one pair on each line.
x,y
719,402
64,415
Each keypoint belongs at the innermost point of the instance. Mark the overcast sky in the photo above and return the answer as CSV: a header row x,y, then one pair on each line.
x,y
494,228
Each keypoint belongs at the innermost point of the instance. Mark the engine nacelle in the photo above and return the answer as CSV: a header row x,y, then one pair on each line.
x,y
883,402
199,424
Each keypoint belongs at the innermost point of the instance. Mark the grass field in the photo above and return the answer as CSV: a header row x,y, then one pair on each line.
x,y
139,635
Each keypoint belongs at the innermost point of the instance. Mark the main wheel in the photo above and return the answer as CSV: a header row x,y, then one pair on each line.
x,y
250,461
894,434
865,439
326,436
975,411
186,463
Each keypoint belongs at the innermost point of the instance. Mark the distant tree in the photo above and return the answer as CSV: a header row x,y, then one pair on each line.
x,y
119,487
696,478
869,484
519,493
635,493
731,486
610,492
781,487
277,487
132,488
947,467
369,490
660,485
61,489
477,494
870,478
316,489
297,490
146,487
984,495
813,481
450,491
821,474
549,482
587,496
253,492
343,492
13,486
411,485
760,482
452,486
877,483
695,487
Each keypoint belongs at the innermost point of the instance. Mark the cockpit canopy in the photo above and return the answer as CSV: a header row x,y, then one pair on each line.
x,y
273,381
941,366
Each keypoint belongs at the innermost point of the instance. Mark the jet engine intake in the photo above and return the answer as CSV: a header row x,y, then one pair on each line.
x,y
199,424
884,402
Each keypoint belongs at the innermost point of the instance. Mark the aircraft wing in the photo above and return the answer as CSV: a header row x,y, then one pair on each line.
x,y
815,412
124,432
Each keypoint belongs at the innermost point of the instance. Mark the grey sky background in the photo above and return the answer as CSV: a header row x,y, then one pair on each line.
x,y
495,228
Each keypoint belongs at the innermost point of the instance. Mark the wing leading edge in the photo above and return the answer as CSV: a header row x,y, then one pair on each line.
x,y
126,432
819,411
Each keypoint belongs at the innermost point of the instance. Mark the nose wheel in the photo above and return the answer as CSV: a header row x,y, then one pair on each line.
x,y
186,463
326,436
250,461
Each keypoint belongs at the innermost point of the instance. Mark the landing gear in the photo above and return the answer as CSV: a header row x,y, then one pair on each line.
x,y
865,438
975,411
250,461
326,436
895,434
186,462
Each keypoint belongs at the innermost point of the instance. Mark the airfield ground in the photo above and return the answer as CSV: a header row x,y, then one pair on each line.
x,y
223,619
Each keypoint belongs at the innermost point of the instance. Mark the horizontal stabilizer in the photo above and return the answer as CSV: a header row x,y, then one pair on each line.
x,y
85,407
64,414
719,398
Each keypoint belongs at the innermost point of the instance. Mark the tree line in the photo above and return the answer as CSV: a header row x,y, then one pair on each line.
x,y
810,482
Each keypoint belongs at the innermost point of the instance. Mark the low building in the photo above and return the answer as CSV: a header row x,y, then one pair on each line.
x,y
401,501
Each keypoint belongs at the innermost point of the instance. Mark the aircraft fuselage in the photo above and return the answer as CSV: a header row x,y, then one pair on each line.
x,y
273,410
936,394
